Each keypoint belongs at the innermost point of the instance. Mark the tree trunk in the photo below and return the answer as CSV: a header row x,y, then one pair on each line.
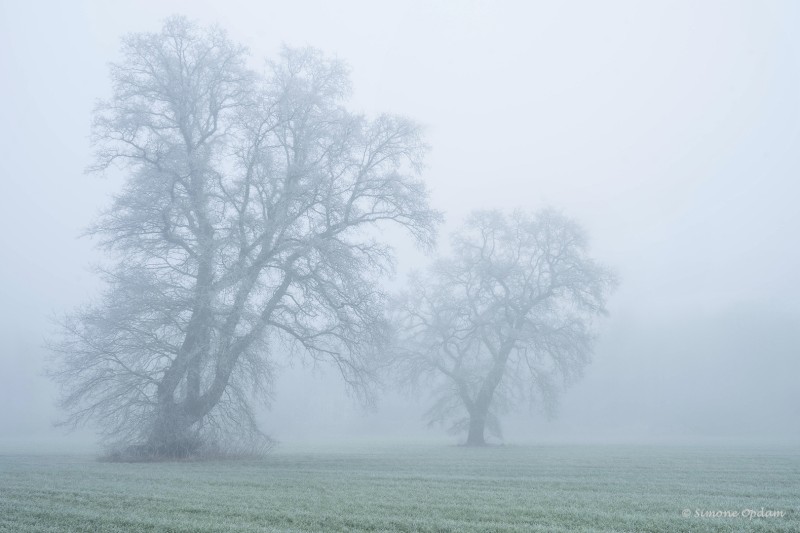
x,y
171,436
477,425
479,409
476,428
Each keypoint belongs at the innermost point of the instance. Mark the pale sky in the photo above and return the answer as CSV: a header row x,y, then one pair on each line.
x,y
670,130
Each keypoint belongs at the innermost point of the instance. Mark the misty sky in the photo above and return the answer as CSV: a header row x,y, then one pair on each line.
x,y
670,130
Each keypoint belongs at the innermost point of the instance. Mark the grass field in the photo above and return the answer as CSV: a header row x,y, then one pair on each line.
x,y
415,488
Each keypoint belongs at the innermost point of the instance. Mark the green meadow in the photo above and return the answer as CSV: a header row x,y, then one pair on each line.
x,y
411,488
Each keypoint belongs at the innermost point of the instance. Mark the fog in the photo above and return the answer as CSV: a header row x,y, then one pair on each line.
x,y
669,131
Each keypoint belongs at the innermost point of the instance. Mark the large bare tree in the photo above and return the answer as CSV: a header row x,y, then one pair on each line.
x,y
245,227
506,318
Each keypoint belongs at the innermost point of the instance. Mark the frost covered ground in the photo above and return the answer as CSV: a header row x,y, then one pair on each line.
x,y
413,488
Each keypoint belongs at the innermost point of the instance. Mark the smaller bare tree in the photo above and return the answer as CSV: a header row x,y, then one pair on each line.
x,y
507,318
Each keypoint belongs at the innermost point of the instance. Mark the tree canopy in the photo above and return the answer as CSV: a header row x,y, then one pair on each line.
x,y
245,228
